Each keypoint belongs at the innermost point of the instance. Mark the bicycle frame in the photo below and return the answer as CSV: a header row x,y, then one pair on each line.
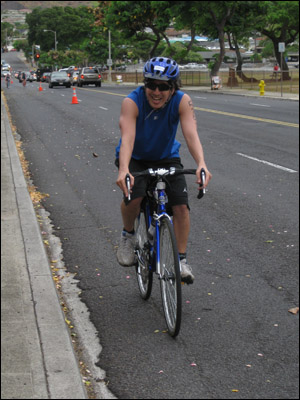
x,y
160,196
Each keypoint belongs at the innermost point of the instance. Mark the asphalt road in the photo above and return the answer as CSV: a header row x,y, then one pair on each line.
x,y
238,338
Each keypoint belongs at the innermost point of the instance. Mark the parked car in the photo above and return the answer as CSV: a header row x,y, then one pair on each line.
x,y
59,78
33,73
5,71
29,76
74,77
89,76
195,66
121,68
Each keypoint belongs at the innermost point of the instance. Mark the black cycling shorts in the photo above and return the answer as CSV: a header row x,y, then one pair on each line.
x,y
176,189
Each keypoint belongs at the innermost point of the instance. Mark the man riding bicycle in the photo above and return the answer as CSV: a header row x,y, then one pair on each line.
x,y
148,122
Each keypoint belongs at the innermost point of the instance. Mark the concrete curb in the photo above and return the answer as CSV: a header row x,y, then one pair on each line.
x,y
46,334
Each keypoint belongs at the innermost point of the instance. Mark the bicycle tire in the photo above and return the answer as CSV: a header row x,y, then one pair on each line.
x,y
143,273
170,283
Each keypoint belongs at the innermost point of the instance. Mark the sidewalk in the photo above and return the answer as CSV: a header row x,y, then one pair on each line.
x,y
37,356
245,92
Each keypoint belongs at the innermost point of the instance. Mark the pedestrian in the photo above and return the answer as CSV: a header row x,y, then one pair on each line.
x,y
23,79
275,71
7,80
149,119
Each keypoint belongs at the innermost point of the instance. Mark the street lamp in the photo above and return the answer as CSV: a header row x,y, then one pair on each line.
x,y
49,30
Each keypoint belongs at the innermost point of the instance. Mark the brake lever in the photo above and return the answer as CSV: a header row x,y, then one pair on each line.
x,y
127,180
202,189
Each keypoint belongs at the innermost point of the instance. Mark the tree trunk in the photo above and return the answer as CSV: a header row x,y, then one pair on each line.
x,y
219,60
156,43
193,35
240,63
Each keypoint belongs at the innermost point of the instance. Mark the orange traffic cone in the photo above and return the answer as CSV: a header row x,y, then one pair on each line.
x,y
74,98
40,88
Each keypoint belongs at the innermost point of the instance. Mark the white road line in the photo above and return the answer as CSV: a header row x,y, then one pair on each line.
x,y
103,108
268,163
197,97
259,105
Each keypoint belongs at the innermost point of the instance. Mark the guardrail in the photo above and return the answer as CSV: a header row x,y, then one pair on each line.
x,y
250,79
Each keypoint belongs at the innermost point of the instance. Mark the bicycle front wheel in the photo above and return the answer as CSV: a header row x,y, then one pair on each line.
x,y
170,277
143,273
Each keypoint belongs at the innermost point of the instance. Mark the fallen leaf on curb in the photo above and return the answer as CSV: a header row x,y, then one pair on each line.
x,y
294,310
234,390
95,155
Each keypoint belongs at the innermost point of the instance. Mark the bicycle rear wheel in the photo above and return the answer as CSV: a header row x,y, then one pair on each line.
x,y
170,282
143,273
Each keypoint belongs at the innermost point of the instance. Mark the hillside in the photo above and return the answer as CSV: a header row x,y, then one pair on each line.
x,y
30,5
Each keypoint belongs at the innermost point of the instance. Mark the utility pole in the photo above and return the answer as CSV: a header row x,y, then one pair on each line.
x,y
109,57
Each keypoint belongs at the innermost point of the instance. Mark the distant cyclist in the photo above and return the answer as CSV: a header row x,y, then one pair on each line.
x,y
149,119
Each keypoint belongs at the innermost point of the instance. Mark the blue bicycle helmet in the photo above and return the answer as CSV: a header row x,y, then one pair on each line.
x,y
161,68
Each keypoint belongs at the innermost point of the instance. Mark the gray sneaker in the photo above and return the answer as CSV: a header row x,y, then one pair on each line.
x,y
186,272
125,254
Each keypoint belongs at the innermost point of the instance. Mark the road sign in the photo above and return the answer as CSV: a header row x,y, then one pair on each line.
x,y
109,62
281,47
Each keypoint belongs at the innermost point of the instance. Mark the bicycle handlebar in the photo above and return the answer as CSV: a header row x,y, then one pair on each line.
x,y
161,172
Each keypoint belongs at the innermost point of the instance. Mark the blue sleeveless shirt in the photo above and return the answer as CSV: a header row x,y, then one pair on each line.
x,y
155,129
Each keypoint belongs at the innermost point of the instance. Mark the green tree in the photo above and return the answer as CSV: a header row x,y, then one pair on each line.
x,y
133,18
215,16
7,31
72,26
205,17
279,21
187,15
238,29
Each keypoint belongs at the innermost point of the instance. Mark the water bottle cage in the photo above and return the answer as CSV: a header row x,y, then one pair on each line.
x,y
160,196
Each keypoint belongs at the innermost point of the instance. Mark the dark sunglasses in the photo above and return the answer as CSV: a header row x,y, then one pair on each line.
x,y
162,87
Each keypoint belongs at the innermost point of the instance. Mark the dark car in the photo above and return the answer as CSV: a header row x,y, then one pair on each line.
x,y
59,78
40,72
46,77
89,76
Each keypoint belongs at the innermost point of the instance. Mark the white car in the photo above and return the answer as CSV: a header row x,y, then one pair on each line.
x,y
5,70
195,66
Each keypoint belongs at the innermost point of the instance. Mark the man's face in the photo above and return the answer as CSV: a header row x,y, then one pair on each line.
x,y
158,92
